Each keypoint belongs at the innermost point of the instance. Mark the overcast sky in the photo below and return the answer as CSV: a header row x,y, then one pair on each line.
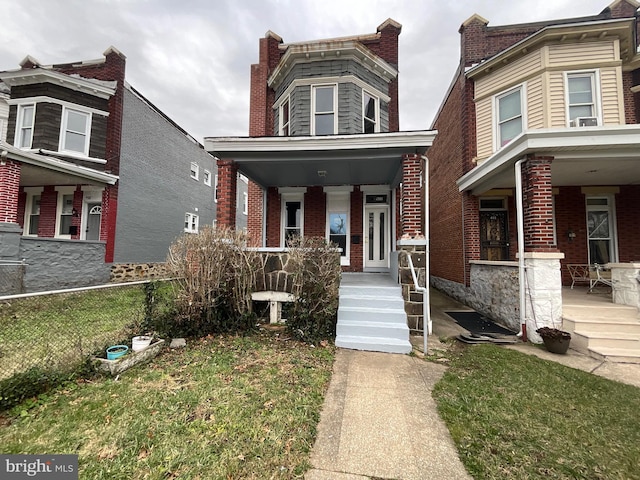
x,y
192,58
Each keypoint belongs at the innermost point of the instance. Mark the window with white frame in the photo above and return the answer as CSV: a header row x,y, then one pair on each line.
x,y
292,217
215,188
24,131
75,131
370,113
195,171
509,116
32,214
324,107
245,203
206,177
64,212
191,221
581,96
284,115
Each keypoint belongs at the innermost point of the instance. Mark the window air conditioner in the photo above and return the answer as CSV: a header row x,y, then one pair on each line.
x,y
584,122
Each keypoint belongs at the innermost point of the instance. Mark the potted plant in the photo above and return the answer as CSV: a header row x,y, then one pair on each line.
x,y
556,341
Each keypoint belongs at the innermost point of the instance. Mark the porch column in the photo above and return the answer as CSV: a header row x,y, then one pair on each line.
x,y
227,187
542,257
9,190
411,198
255,214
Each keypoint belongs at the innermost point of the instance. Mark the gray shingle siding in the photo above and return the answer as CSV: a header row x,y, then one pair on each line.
x,y
349,96
155,188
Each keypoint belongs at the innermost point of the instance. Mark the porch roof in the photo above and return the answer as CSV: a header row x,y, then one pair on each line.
x,y
583,156
361,159
41,169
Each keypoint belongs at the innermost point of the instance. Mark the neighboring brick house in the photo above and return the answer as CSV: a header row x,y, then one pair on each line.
x,y
92,166
324,155
558,101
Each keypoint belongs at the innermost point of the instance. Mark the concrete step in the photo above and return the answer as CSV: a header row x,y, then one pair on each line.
x,y
370,291
605,311
584,340
365,314
372,329
381,301
374,344
617,355
624,325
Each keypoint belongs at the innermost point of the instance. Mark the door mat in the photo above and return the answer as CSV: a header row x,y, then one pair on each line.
x,y
477,323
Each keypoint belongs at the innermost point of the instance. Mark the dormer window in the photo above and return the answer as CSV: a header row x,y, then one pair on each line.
x,y
24,132
370,113
75,131
324,108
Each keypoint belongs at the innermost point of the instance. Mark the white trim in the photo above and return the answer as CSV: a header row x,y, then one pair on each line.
x,y
244,178
194,171
74,155
286,99
334,112
497,145
290,197
596,92
206,177
215,188
31,192
292,190
339,202
17,140
412,140
375,188
352,79
190,219
64,120
338,189
61,192
245,203
613,231
45,99
376,126
93,87
366,208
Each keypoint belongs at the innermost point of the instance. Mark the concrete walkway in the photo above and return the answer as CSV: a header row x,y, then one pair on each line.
x,y
379,420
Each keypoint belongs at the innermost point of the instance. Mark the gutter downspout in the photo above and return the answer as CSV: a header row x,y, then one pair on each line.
x,y
264,217
426,300
521,267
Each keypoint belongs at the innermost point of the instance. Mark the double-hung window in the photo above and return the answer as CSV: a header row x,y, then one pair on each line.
x,y
509,108
324,109
370,113
206,178
195,171
292,215
75,131
284,118
581,97
24,132
191,221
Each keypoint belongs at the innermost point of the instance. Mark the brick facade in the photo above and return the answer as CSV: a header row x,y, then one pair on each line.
x,y
538,205
227,185
9,191
411,201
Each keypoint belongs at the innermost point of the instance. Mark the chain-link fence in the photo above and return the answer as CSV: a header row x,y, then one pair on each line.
x,y
46,335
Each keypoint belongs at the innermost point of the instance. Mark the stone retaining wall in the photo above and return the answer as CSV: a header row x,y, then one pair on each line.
x,y
412,298
131,272
275,273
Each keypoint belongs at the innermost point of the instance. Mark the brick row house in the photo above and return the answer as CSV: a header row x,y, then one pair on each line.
x,y
542,115
92,174
325,156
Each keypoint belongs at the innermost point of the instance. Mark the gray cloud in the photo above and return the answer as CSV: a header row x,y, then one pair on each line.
x,y
192,58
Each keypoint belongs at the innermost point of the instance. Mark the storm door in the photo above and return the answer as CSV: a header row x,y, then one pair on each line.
x,y
601,230
494,238
94,218
376,238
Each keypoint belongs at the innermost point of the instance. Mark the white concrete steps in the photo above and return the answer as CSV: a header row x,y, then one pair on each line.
x,y
372,317
605,331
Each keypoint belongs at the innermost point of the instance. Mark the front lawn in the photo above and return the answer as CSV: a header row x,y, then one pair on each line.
x,y
224,407
516,416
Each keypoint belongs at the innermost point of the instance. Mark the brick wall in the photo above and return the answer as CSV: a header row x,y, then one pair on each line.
x,y
227,184
630,106
315,212
9,190
48,206
356,259
538,204
411,188
273,217
255,213
628,223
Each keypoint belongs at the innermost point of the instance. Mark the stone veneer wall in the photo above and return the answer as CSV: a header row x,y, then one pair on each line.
x,y
131,272
412,298
275,272
493,291
626,283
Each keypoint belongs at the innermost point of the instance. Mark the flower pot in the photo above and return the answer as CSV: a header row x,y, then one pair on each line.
x,y
140,343
556,341
116,351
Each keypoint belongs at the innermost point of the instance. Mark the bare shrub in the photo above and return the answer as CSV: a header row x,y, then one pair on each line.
x,y
316,281
215,275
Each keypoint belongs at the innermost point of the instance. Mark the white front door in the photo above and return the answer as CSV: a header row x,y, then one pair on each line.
x,y
376,236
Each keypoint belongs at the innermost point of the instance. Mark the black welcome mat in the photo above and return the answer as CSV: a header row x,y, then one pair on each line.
x,y
476,323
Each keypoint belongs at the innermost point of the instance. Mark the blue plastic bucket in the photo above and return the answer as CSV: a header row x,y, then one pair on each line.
x,y
116,351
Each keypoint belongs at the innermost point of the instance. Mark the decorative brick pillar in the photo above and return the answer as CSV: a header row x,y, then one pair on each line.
x,y
538,205
255,214
9,190
227,187
411,195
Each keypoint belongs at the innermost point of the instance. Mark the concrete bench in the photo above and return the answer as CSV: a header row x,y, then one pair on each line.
x,y
275,300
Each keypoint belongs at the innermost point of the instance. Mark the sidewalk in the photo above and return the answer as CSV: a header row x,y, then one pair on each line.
x,y
379,420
